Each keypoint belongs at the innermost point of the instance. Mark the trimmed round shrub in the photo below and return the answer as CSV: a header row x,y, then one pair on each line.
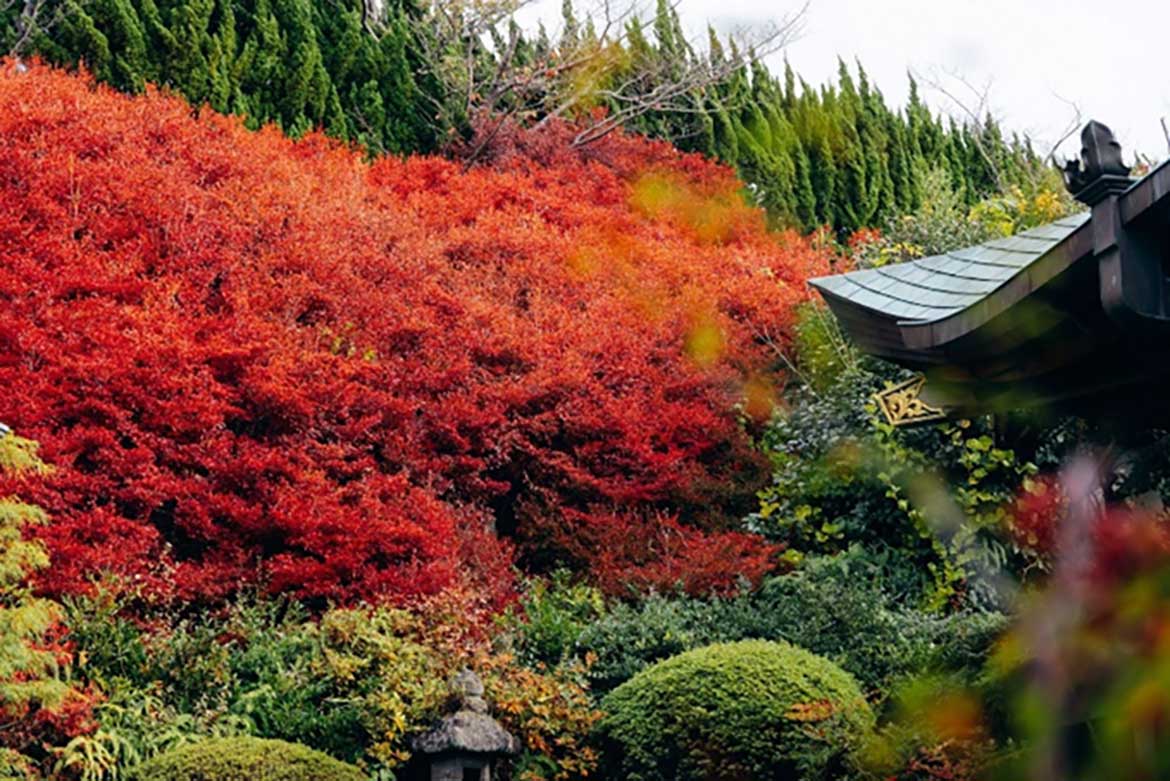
x,y
245,759
752,709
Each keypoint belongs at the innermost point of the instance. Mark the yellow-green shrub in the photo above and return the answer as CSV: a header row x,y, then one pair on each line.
x,y
245,759
753,709
394,665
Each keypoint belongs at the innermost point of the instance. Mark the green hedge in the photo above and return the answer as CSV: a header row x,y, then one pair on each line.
x,y
245,759
834,606
752,709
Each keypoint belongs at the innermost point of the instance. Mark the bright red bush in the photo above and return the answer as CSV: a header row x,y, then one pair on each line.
x,y
254,360
637,553
1035,514
1119,541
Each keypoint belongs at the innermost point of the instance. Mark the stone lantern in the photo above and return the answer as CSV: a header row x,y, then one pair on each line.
x,y
466,744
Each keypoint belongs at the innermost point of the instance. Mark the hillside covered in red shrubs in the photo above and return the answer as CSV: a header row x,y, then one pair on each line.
x,y
258,361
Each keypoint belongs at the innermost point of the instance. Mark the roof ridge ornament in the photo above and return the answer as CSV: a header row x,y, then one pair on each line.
x,y
1100,171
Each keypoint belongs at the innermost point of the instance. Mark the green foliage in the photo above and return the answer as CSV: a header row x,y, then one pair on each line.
x,y
29,676
945,219
942,220
301,64
837,607
231,759
930,504
964,512
834,606
827,492
136,725
751,709
551,616
396,684
260,667
633,636
15,766
355,684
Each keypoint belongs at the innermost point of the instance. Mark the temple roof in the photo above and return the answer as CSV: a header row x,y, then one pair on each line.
x,y
936,287
1073,313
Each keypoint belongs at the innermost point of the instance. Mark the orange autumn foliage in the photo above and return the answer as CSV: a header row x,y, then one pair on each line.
x,y
254,360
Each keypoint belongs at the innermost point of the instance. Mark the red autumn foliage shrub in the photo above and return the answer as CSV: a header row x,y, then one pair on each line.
x,y
1121,542
1126,543
1035,513
254,360
636,554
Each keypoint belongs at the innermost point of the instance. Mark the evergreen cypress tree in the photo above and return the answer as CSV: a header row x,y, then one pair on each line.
x,y
303,64
569,36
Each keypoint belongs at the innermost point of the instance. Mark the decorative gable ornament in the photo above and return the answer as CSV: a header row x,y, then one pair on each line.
x,y
902,404
1100,171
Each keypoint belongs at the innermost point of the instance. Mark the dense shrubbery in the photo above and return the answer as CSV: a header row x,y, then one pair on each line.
x,y
945,219
306,412
553,613
834,607
356,684
932,505
39,706
258,361
234,759
752,709
1076,688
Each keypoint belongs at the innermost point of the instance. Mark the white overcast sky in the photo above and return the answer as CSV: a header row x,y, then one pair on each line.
x,y
1109,58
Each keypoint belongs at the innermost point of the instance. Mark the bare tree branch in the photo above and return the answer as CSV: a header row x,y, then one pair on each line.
x,y
1072,128
26,25
501,78
36,17
975,113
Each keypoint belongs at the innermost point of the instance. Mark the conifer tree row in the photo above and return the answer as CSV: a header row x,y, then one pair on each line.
x,y
301,64
837,155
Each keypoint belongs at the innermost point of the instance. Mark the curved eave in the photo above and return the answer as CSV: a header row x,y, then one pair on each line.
x,y
912,311
877,333
938,333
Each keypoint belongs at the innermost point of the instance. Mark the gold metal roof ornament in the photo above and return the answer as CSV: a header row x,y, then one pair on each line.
x,y
902,404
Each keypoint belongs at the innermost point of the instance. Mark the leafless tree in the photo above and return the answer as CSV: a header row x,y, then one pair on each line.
x,y
487,69
1072,127
973,103
34,16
